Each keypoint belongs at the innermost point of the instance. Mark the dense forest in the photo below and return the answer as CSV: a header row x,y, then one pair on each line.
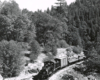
x,y
83,25
58,27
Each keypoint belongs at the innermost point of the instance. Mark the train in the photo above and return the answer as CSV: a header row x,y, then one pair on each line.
x,y
57,63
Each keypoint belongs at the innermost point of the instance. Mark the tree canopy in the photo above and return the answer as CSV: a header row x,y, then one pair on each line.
x,y
10,58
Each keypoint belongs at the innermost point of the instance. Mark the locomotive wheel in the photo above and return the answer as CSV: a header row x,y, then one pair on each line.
x,y
44,75
50,73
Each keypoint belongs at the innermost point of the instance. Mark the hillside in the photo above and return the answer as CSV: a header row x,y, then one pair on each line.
x,y
61,26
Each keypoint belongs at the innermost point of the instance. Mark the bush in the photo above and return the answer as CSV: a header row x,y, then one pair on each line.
x,y
24,45
77,50
10,58
67,77
35,48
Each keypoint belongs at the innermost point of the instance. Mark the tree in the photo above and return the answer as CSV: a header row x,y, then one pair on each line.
x,y
16,25
93,63
62,7
24,29
5,27
54,50
27,13
10,58
62,44
51,48
46,23
11,8
35,48
77,49
94,57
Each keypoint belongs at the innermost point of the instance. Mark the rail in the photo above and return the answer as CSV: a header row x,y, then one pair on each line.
x,y
82,60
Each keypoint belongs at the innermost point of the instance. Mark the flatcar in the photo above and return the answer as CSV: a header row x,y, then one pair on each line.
x,y
72,58
81,56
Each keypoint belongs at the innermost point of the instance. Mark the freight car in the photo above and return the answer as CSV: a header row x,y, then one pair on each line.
x,y
58,63
62,62
73,58
81,56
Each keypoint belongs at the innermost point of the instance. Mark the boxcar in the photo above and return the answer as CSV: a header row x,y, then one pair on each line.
x,y
63,61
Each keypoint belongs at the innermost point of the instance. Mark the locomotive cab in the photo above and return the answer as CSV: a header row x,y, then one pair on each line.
x,y
57,64
49,67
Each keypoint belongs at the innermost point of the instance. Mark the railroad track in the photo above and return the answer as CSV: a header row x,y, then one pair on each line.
x,y
55,72
54,75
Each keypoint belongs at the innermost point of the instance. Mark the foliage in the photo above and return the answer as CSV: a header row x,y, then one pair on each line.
x,y
25,46
45,25
62,7
51,47
10,9
84,16
63,25
83,27
95,57
5,27
19,29
24,29
91,65
77,49
10,58
62,44
54,50
67,77
49,30
87,69
60,10
35,50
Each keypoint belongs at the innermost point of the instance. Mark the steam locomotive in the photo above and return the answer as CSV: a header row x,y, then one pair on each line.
x,y
52,66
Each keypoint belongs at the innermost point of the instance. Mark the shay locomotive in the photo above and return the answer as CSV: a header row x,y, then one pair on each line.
x,y
52,66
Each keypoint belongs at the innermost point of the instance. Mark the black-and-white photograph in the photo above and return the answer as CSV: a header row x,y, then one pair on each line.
x,y
49,39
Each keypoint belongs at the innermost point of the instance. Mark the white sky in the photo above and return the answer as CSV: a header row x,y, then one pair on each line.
x,y
34,5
